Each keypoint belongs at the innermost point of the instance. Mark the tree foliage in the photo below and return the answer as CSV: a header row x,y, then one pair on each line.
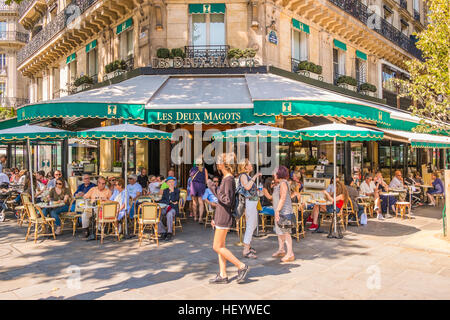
x,y
429,82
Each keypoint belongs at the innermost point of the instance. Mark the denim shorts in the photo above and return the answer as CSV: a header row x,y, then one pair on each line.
x,y
330,208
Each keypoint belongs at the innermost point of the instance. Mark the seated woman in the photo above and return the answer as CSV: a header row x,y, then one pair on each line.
x,y
341,198
170,196
438,188
353,194
58,194
266,199
382,186
121,197
295,187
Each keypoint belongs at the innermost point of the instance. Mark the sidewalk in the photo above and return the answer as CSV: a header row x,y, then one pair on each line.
x,y
391,259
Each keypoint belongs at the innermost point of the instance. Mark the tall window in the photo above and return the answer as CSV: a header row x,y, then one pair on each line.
x,y
126,44
388,14
361,71
416,5
2,62
3,26
207,29
338,63
299,45
72,71
387,75
92,63
2,89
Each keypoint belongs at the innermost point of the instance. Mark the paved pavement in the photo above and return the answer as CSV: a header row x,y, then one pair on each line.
x,y
391,259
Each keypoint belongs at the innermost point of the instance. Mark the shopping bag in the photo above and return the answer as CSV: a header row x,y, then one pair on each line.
x,y
363,219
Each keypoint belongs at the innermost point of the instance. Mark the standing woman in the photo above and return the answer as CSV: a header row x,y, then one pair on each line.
x,y
199,175
283,206
248,189
223,219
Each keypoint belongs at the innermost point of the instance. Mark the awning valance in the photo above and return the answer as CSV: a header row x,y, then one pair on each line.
x,y
421,140
206,8
300,26
124,26
71,58
91,46
361,55
340,45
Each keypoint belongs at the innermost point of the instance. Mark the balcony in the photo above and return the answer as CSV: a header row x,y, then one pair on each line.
x,y
14,7
14,36
49,31
404,4
416,15
214,51
31,10
360,11
8,102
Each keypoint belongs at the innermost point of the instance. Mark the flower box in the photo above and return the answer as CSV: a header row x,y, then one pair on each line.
x,y
117,169
348,86
369,93
113,74
311,75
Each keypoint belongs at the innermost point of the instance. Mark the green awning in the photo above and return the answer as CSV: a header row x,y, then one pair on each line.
x,y
361,55
207,8
342,132
125,130
340,45
91,46
33,132
321,108
430,145
81,109
205,116
258,131
396,124
11,123
300,26
71,58
123,26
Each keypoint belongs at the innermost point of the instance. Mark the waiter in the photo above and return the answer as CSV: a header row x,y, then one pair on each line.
x,y
323,159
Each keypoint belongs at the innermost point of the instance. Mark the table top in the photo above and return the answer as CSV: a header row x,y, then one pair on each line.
x,y
48,205
389,193
319,202
426,186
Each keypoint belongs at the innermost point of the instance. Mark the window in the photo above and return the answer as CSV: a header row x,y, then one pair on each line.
x,y
416,5
2,89
404,26
126,44
72,71
361,71
92,63
387,75
3,33
388,14
208,29
299,45
338,63
2,62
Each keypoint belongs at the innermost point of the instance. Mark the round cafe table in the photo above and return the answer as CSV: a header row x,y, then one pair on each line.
x,y
43,205
394,194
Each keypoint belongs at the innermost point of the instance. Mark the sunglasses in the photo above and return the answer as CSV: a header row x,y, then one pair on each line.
x,y
216,181
59,184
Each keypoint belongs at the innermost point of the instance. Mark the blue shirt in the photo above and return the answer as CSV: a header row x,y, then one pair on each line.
x,y
133,189
438,186
121,198
208,195
82,188
114,194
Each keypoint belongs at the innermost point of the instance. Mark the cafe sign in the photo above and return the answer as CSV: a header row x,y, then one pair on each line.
x,y
200,62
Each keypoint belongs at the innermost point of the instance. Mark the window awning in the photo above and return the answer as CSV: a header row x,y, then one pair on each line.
x,y
300,26
207,8
124,26
71,58
361,55
420,140
91,46
340,45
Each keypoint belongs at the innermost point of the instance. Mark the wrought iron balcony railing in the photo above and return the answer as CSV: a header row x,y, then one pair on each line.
x,y
11,7
404,4
206,51
50,30
14,36
380,25
416,15
7,102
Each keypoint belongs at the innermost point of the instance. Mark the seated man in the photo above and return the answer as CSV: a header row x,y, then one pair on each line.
x,y
155,184
397,184
353,194
134,191
438,188
83,188
208,195
171,197
56,175
100,192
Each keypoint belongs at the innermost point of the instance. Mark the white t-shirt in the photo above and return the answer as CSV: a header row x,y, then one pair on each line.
x,y
3,178
365,188
154,187
396,184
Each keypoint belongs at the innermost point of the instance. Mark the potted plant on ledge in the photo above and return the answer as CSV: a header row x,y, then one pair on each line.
x,y
117,166
368,89
348,83
310,70
114,69
83,82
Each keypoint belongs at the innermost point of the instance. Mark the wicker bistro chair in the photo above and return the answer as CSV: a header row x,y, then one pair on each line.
x,y
368,205
40,222
298,212
348,210
340,215
72,216
107,214
182,204
209,213
136,203
21,212
149,215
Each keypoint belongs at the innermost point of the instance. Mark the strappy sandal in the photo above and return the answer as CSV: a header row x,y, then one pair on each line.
x,y
288,259
252,250
279,254
250,255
